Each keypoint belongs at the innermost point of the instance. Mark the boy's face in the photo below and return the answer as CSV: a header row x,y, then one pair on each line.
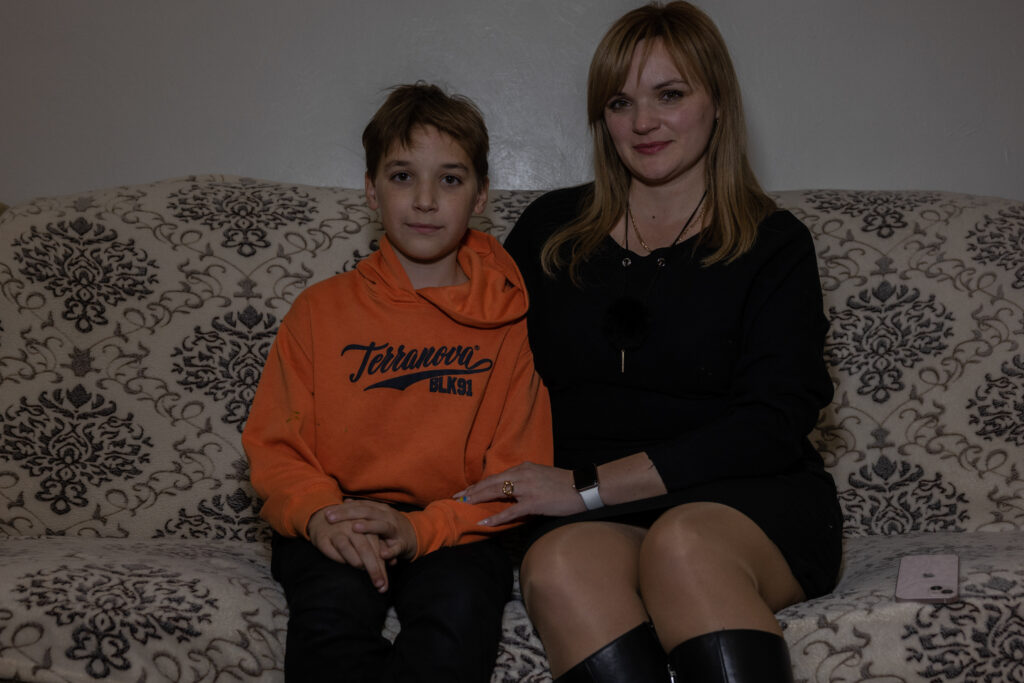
x,y
426,193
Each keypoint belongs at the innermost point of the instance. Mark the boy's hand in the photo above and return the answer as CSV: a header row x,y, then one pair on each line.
x,y
343,543
394,529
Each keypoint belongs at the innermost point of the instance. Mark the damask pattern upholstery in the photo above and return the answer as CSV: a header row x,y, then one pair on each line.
x,y
134,323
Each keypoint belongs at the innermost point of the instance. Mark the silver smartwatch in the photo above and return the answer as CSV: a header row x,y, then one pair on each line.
x,y
584,480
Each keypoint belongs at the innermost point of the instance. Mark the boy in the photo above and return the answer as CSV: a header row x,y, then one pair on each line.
x,y
388,390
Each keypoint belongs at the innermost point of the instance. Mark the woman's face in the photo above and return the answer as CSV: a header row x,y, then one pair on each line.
x,y
659,122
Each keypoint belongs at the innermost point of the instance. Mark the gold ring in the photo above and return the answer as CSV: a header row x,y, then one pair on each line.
x,y
508,488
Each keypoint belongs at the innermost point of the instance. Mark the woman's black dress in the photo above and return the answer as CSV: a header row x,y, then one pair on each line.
x,y
722,380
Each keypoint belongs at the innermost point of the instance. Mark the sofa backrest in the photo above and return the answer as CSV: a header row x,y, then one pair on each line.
x,y
134,323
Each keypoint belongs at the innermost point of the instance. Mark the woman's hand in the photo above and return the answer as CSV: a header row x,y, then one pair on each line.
x,y
536,489
382,521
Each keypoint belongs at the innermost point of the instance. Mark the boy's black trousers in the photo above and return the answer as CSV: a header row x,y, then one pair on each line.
x,y
449,604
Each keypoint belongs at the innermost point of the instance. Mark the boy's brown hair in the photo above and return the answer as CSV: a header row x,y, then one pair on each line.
x,y
422,104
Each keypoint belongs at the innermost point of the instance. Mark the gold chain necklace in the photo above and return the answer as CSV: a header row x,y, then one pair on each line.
x,y
685,225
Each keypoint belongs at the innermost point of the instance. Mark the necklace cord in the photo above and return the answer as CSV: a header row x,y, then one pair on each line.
x,y
686,225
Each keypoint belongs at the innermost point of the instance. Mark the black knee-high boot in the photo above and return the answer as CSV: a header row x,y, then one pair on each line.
x,y
634,657
732,656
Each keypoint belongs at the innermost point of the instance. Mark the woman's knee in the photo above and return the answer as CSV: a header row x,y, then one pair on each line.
x,y
573,561
580,587
549,564
697,539
702,545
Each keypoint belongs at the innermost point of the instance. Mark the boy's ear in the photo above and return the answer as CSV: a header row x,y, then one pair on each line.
x,y
371,193
481,196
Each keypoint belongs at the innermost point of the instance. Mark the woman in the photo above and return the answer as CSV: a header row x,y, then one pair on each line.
x,y
676,318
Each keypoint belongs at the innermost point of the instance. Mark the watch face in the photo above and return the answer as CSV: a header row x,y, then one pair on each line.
x,y
584,478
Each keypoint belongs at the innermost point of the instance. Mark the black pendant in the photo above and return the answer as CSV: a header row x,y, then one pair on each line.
x,y
626,324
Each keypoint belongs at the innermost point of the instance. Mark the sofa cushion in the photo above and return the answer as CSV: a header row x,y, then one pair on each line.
x,y
82,609
77,609
861,633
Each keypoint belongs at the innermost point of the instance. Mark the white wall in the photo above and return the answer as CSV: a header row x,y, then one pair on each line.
x,y
859,94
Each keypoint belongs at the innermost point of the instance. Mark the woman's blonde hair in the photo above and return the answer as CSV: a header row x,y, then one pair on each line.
x,y
735,200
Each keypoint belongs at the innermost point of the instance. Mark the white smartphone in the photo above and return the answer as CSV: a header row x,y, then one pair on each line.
x,y
928,578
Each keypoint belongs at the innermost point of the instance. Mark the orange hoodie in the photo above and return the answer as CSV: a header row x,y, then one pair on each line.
x,y
376,390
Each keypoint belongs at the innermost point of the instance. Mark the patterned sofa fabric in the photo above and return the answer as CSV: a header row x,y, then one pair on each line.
x,y
134,323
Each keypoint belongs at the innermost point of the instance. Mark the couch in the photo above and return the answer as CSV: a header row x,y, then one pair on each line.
x,y
134,322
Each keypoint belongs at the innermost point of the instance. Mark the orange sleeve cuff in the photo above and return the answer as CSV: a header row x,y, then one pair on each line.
x,y
304,507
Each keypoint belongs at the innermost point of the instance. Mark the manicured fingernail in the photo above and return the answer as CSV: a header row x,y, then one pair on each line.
x,y
484,522
462,499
